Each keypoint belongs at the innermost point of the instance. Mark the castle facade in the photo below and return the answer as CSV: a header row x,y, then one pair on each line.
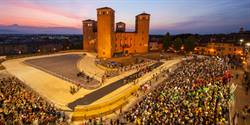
x,y
108,41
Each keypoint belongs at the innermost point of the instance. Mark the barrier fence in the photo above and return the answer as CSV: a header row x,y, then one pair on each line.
x,y
103,108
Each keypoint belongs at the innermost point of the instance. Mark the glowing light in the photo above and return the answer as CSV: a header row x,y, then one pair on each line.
x,y
182,47
212,50
240,52
244,62
247,44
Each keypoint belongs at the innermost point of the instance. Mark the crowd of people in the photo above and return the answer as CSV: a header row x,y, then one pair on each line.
x,y
197,92
116,68
20,105
119,70
141,71
246,82
136,66
108,64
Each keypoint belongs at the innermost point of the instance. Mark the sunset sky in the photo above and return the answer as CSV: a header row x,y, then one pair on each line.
x,y
174,16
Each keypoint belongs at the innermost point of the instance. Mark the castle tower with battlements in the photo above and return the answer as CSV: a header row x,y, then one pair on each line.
x,y
89,35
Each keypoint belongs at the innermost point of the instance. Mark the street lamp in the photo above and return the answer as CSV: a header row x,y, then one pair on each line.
x,y
247,44
241,41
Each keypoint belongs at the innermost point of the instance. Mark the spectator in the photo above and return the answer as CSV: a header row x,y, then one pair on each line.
x,y
20,105
193,94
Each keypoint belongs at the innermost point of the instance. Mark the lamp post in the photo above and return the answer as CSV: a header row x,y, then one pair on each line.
x,y
247,45
241,41
246,48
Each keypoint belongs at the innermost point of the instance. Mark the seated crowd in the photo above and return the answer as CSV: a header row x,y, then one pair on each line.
x,y
196,93
135,66
141,71
20,105
108,64
117,68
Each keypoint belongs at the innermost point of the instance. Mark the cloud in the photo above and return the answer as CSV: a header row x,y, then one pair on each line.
x,y
28,13
43,8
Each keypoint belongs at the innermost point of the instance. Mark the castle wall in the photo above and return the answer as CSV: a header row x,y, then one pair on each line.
x,y
130,43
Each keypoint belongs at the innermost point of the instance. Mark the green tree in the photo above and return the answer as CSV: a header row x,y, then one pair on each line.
x,y
167,41
177,44
189,43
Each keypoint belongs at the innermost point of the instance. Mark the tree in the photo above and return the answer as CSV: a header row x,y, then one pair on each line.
x,y
167,41
189,43
177,44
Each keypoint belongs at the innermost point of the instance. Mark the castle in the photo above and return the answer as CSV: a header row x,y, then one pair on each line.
x,y
102,37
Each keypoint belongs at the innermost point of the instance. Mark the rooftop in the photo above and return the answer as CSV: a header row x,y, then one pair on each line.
x,y
143,14
120,22
105,8
88,20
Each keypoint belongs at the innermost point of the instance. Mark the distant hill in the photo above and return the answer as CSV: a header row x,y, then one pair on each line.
x,y
18,29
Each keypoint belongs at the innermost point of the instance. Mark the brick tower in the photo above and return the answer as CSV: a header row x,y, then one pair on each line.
x,y
89,35
105,34
142,30
120,27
